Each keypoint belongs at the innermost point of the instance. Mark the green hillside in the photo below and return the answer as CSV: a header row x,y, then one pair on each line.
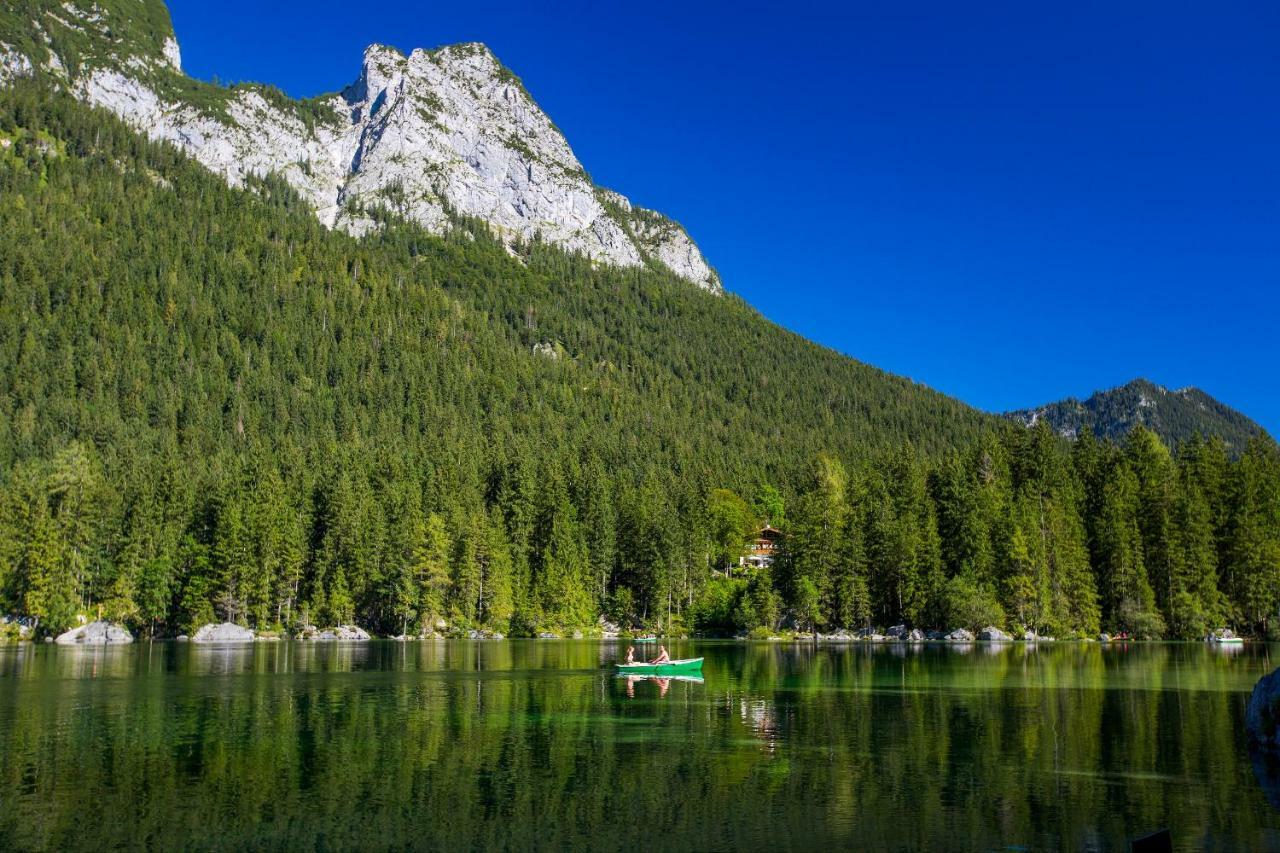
x,y
212,407
162,319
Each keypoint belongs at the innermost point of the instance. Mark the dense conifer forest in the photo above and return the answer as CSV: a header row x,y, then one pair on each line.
x,y
212,407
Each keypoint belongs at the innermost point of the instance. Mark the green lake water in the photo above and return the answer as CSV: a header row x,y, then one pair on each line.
x,y
538,745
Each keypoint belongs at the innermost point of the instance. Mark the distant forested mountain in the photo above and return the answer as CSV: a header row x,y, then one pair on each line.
x,y
1175,416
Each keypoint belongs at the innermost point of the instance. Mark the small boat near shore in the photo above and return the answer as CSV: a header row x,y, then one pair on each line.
x,y
671,667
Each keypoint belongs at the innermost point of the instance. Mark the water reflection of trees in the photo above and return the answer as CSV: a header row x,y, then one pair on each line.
x,y
525,744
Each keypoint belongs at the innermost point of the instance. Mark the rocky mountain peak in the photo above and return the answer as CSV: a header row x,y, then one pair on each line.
x,y
380,69
436,133
1174,415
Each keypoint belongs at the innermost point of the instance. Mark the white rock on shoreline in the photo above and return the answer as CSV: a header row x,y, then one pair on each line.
x,y
99,633
227,632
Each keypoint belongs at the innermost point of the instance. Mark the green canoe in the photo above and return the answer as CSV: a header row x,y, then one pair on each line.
x,y
671,667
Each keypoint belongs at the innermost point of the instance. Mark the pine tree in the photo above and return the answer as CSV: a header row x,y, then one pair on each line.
x,y
1024,583
233,557
1253,544
1153,466
431,569
1128,600
49,570
155,584
74,503
497,601
593,496
406,528
815,543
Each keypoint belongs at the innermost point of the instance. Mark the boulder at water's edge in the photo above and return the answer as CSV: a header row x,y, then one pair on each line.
x,y
227,632
96,634
1262,717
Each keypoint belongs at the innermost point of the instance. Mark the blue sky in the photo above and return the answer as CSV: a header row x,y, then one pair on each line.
x,y
1012,204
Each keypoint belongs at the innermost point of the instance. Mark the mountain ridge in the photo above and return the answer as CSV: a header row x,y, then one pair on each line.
x,y
1175,415
428,135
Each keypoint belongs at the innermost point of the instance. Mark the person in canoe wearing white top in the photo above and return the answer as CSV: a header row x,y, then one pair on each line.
x,y
662,657
631,654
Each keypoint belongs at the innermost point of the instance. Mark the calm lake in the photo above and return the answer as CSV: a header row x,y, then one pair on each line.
x,y
537,745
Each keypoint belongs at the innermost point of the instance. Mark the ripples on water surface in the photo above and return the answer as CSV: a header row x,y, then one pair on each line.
x,y
527,744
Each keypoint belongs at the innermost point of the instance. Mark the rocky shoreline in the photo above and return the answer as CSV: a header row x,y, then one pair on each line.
x,y
104,633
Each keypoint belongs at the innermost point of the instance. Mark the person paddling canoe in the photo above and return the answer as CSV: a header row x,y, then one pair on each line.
x,y
631,654
662,657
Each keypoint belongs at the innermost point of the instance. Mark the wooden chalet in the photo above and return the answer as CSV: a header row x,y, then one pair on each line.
x,y
763,549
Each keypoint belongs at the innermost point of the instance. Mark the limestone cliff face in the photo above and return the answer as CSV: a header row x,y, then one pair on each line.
x,y
434,133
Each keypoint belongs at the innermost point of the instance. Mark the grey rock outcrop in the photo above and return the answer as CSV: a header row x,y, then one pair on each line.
x,y
1262,715
992,634
425,137
95,634
224,632
960,635
13,64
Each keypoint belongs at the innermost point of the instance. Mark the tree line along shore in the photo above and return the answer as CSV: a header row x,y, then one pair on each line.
x,y
1027,536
